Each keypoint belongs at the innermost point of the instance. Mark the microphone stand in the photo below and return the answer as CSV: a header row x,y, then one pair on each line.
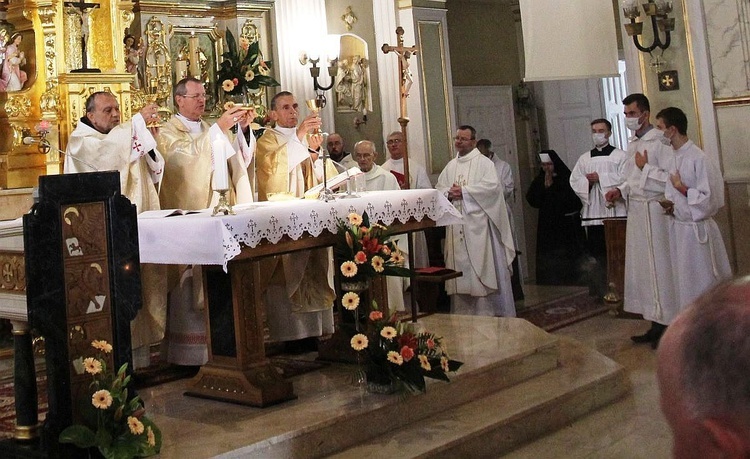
x,y
326,194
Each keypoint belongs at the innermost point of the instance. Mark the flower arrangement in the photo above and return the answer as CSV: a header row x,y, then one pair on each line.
x,y
116,425
365,250
243,67
397,358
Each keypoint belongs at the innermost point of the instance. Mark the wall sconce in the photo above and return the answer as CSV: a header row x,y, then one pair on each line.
x,y
658,11
329,50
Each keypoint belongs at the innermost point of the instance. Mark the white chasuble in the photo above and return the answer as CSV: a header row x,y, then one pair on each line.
x,y
482,247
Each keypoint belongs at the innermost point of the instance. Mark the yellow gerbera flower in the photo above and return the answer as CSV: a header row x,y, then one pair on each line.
x,y
92,365
249,75
227,85
354,219
102,346
444,364
388,332
359,342
151,438
377,264
395,357
397,258
350,301
424,362
101,399
348,269
135,426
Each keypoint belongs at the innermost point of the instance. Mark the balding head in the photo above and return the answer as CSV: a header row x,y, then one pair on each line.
x,y
704,374
364,154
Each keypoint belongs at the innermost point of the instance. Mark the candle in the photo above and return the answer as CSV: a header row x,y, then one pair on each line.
x,y
195,69
221,172
180,69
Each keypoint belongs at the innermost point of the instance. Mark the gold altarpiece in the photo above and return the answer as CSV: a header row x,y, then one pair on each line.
x,y
53,92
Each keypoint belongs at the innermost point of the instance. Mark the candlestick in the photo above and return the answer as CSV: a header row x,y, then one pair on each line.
x,y
223,206
221,172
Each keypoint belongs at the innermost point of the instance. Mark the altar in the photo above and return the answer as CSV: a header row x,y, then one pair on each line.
x,y
240,372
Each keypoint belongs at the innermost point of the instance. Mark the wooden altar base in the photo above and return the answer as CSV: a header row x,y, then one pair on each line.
x,y
260,386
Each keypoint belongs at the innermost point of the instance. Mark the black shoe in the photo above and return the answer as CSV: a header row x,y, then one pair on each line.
x,y
644,338
657,337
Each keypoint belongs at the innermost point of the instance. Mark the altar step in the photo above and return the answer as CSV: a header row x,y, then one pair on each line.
x,y
498,423
518,383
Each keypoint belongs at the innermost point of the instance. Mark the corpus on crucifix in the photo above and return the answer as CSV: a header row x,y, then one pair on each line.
x,y
82,9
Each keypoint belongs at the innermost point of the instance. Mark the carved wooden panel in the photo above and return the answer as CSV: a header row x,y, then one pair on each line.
x,y
12,272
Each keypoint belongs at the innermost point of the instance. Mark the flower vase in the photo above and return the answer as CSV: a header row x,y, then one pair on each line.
x,y
355,286
379,386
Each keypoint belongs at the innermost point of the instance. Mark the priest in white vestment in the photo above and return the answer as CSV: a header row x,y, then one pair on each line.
x,y
191,147
696,190
298,287
482,247
597,172
101,143
418,179
505,175
649,289
379,179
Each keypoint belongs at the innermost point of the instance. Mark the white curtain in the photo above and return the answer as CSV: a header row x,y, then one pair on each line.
x,y
384,18
570,39
298,24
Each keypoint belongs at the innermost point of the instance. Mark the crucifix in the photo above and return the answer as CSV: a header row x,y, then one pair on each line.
x,y
82,9
405,82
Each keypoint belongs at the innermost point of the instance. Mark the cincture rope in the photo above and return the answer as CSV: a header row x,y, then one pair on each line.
x,y
658,313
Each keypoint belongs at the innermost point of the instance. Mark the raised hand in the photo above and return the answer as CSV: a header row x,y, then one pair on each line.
x,y
641,159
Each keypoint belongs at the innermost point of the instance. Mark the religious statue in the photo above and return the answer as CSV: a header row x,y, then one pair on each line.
x,y
133,54
82,11
351,90
12,77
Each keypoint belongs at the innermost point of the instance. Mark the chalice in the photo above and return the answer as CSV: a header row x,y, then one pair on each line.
x,y
155,120
315,105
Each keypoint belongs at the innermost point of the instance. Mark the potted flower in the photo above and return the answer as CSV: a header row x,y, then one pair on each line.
x,y
398,360
364,251
244,71
113,423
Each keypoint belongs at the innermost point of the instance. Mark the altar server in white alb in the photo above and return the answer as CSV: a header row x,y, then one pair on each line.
x,y
101,143
482,246
597,172
649,289
696,191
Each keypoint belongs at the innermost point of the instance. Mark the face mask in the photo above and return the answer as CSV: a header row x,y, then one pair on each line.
x,y
664,139
633,124
600,139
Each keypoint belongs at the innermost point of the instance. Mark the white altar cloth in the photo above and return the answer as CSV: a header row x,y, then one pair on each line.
x,y
199,238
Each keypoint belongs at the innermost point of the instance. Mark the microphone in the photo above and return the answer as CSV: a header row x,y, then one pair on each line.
x,y
45,147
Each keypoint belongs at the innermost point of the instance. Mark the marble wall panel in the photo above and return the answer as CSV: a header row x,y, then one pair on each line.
x,y
728,36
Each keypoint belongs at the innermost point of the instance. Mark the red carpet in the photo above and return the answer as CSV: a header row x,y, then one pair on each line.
x,y
8,409
561,312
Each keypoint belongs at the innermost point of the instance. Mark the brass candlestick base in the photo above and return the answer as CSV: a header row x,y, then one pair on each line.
x,y
223,206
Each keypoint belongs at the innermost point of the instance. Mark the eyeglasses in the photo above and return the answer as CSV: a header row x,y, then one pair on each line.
x,y
195,96
461,139
393,142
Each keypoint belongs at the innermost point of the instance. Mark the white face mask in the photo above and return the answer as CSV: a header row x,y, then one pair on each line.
x,y
664,139
600,139
633,124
